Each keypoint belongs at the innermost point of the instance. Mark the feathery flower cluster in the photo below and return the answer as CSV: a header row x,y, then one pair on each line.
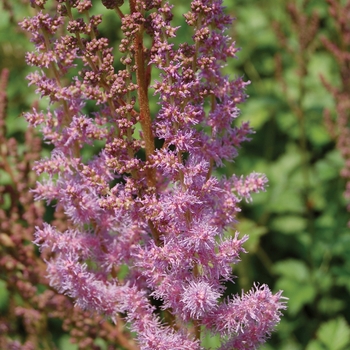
x,y
148,219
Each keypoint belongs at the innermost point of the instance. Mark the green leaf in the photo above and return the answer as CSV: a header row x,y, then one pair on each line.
x,y
210,341
65,344
289,224
288,122
331,306
329,167
299,294
250,228
281,170
288,200
296,283
314,345
4,296
257,111
318,134
342,275
101,343
286,346
335,334
293,269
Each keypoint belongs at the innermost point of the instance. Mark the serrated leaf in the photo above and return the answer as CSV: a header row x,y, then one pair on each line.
x,y
335,334
299,294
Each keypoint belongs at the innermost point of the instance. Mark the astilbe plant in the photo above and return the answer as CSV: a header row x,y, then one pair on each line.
x,y
148,225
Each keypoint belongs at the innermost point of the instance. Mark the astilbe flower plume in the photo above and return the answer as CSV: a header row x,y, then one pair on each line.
x,y
147,218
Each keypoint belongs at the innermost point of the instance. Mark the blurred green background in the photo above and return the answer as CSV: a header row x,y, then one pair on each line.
x,y
299,238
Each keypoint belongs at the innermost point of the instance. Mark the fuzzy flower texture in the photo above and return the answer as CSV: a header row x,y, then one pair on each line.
x,y
135,142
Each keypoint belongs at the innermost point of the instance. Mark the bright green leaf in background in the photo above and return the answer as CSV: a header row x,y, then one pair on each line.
x,y
335,334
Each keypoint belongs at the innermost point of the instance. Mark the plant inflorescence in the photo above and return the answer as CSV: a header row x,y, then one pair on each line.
x,y
148,221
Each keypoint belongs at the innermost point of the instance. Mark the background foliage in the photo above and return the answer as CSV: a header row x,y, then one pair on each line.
x,y
299,238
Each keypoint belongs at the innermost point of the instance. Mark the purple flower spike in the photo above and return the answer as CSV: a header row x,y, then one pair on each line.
x,y
147,216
